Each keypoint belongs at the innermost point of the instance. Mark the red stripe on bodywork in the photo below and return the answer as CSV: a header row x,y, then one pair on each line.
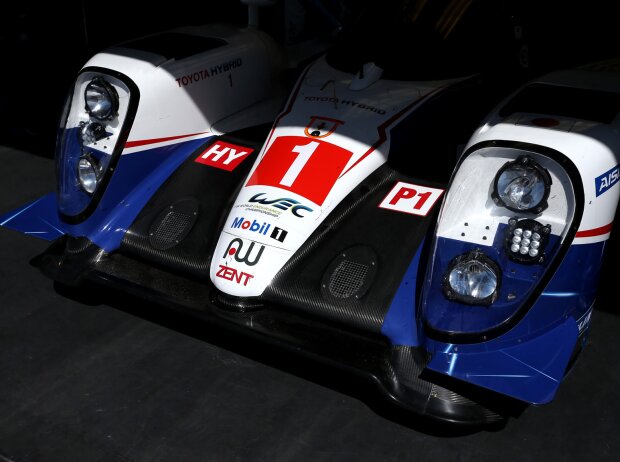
x,y
594,232
133,144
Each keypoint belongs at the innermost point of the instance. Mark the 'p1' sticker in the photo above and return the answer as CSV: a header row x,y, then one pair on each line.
x,y
224,155
411,198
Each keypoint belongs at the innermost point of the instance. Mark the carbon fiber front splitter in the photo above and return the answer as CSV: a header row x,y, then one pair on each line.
x,y
398,371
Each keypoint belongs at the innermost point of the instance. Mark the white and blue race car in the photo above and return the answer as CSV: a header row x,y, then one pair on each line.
x,y
374,217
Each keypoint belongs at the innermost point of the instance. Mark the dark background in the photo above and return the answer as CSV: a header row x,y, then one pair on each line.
x,y
43,46
120,380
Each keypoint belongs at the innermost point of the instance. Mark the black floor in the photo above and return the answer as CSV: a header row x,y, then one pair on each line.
x,y
124,381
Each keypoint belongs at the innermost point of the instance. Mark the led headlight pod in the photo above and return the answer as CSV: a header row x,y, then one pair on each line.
x,y
89,172
101,99
472,278
522,186
526,240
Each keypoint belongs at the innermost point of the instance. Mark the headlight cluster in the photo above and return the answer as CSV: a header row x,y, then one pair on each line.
x,y
520,186
501,229
101,103
93,130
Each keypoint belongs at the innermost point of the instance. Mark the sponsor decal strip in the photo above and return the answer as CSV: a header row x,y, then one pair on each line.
x,y
222,155
411,198
232,274
605,181
595,231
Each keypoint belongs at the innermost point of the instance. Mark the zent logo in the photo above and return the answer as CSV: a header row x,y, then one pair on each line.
x,y
231,274
282,203
411,198
606,180
224,155
234,250
308,168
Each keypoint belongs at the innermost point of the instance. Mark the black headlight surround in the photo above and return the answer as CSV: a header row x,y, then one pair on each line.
x,y
480,256
552,264
527,162
132,109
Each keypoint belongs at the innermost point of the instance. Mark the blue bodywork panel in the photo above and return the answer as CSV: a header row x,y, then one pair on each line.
x,y
138,176
399,324
530,371
527,362
38,218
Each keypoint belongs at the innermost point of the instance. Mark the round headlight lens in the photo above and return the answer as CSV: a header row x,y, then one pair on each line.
x,y
101,99
88,173
522,186
472,278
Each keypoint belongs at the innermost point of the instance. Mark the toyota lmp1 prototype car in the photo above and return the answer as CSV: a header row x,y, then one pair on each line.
x,y
374,217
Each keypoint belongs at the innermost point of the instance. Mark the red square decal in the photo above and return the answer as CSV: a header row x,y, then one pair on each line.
x,y
411,198
224,155
306,167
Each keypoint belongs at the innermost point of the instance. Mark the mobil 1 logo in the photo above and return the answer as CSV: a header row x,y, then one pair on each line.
x,y
264,228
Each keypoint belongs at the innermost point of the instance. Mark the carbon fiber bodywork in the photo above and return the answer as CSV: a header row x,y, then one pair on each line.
x,y
328,303
397,371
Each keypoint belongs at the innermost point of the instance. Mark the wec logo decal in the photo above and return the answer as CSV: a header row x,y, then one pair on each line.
x,y
234,250
224,155
605,181
282,203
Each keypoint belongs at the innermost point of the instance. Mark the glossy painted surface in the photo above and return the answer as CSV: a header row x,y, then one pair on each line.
x,y
400,324
530,370
38,219
137,178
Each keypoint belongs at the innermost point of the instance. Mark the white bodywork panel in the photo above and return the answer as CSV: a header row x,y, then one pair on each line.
x,y
593,147
328,139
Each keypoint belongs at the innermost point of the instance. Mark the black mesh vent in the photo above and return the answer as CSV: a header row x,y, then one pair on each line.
x,y
173,224
325,277
347,279
169,230
181,238
350,274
